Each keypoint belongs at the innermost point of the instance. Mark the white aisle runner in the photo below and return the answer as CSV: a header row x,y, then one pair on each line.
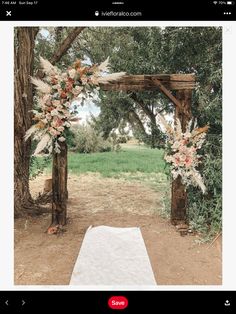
x,y
113,256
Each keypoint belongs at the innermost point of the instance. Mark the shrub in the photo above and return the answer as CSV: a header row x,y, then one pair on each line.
x,y
86,140
205,211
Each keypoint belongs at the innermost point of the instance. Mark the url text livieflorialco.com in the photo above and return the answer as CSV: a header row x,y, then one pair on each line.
x,y
117,13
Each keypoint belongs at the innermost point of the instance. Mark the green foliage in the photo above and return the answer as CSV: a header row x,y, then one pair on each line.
x,y
86,140
38,165
205,211
70,138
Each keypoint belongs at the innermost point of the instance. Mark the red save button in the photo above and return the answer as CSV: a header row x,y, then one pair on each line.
x,y
118,302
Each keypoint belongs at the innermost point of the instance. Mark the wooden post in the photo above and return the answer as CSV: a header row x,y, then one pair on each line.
x,y
179,195
59,186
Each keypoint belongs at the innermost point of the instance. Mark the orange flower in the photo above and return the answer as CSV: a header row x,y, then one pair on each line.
x,y
40,125
54,81
69,87
58,122
82,71
63,94
77,64
70,80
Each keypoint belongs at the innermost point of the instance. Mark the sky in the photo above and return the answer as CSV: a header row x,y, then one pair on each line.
x,y
86,109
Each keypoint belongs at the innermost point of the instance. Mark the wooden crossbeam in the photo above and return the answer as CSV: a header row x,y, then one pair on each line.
x,y
168,94
147,82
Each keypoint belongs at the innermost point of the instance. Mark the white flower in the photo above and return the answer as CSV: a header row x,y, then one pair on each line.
x,y
48,116
66,104
54,112
79,88
66,124
72,73
60,129
56,102
61,139
52,131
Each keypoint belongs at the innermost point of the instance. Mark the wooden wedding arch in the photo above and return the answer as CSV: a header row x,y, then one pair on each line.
x,y
178,89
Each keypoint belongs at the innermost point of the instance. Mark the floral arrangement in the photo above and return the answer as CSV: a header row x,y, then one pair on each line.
x,y
182,152
55,96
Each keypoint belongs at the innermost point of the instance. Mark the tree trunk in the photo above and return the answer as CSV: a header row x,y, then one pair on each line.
x,y
59,186
179,194
23,97
153,131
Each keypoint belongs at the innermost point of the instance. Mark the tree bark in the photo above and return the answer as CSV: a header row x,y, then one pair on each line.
x,y
66,44
59,187
23,97
178,192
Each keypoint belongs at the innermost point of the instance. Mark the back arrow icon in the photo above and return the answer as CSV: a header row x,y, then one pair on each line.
x,y
6,302
23,302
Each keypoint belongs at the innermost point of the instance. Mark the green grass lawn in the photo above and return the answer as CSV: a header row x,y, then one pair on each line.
x,y
128,160
133,162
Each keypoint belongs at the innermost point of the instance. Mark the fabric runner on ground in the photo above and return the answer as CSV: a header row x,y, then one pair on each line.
x,y
113,256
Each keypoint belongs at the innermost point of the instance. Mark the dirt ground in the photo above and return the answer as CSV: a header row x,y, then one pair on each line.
x,y
42,259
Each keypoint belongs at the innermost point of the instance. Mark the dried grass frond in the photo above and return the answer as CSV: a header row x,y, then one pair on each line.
x,y
111,77
167,126
199,181
43,143
47,67
30,131
41,86
104,66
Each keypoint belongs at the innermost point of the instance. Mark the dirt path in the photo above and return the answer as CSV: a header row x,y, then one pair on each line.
x,y
41,259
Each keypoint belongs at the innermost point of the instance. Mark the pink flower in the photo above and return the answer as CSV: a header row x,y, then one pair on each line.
x,y
57,122
177,161
188,161
48,116
53,132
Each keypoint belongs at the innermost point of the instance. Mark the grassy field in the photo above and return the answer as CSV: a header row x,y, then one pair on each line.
x,y
128,160
133,162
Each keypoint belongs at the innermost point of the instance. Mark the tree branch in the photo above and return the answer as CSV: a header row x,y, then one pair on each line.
x,y
135,121
145,109
66,44
62,48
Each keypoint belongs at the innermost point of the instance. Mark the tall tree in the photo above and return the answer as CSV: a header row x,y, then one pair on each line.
x,y
140,46
25,47
23,94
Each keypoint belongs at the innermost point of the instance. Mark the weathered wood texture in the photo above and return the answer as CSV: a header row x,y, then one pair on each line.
x,y
147,82
59,186
178,193
23,104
